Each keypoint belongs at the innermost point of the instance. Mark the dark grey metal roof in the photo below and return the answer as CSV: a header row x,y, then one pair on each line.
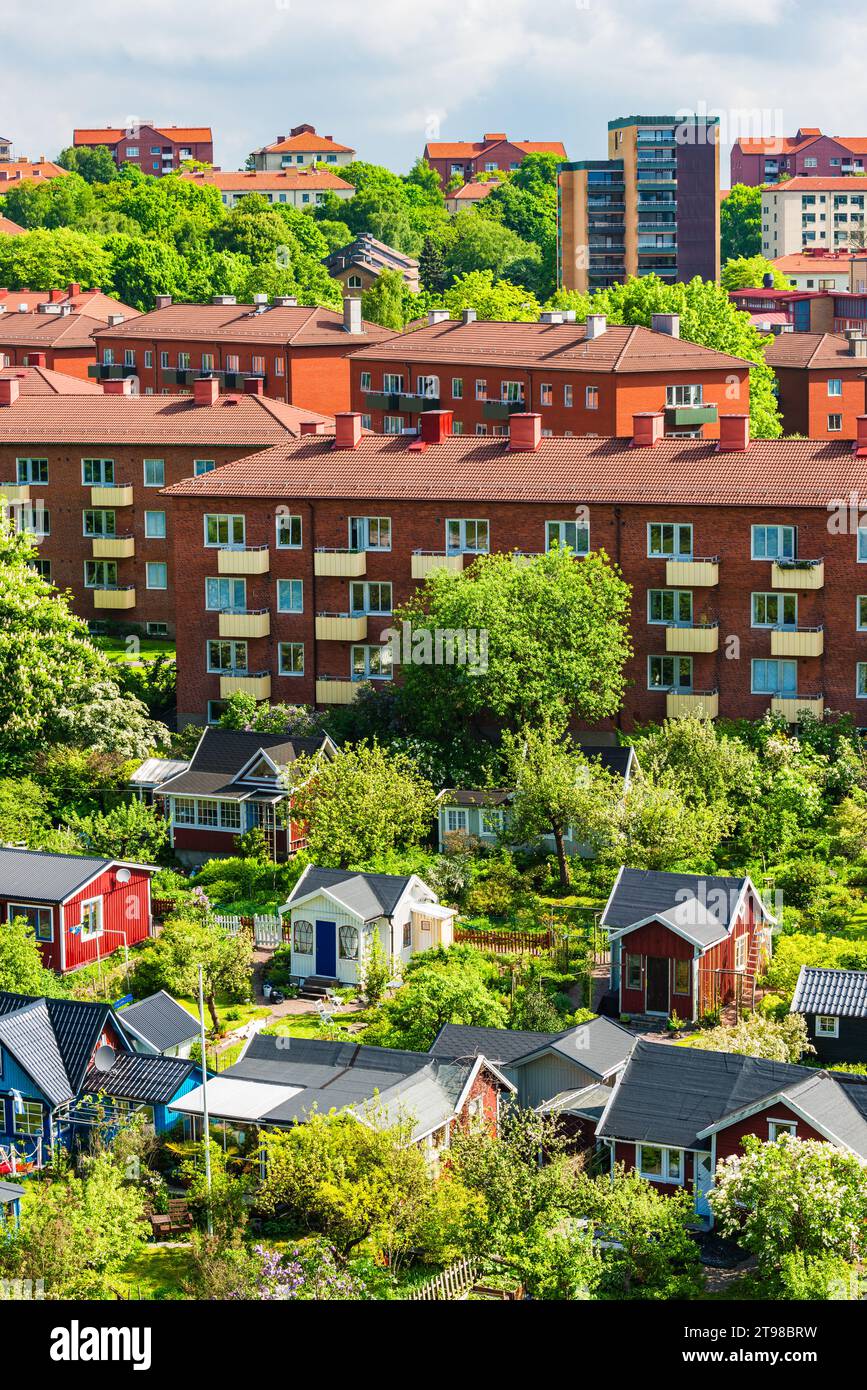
x,y
54,1041
10,1192
28,1036
37,876
841,993
500,1045
149,1079
668,1095
222,753
599,1046
701,906
160,1021
615,759
368,895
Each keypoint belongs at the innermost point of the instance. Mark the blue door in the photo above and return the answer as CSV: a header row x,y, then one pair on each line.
x,y
326,949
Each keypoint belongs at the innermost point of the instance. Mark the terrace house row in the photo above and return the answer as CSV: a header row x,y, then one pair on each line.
x,y
744,598
83,474
583,378
287,351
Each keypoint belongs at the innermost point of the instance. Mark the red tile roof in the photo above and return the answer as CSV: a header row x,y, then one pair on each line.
x,y
471,192
233,422
799,263
316,144
302,326
10,228
48,330
813,350
250,180
93,302
560,346
804,183
471,149
181,134
791,144
41,381
680,472
19,170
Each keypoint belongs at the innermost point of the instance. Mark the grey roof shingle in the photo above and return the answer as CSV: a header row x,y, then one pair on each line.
x,y
39,876
61,1029
840,993
160,1021
700,906
145,1078
221,755
599,1046
500,1045
368,895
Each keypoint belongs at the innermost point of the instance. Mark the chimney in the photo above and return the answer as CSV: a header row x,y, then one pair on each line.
x,y
347,429
312,427
36,359
8,390
254,386
118,386
857,345
768,280
734,434
284,301
55,296
74,289
525,432
352,315
206,390
859,447
469,316
666,323
438,316
435,426
23,308
115,320
551,316
162,301
595,326
647,428
223,299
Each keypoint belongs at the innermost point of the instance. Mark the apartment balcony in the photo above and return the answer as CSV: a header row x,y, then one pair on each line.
x,y
335,692
413,402
798,574
113,547
793,707
253,559
245,622
15,492
689,417
246,683
425,561
681,703
799,641
692,574
116,596
381,400
110,371
339,564
501,410
700,637
112,495
341,627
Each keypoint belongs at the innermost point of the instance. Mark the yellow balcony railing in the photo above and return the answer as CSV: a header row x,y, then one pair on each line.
x,y
425,561
688,574
247,624
112,495
340,564
341,627
114,597
793,707
798,574
113,547
250,560
15,492
679,703
801,641
335,692
703,637
247,683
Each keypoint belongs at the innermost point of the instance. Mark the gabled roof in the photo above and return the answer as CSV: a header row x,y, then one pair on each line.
x,y
19,170
255,180
41,330
159,1021
301,325
839,993
364,895
813,350
182,134
40,876
10,1192
678,1096
502,1045
10,228
472,149
700,907
475,796
223,754
52,1039
806,183
147,1079
599,1046
620,761
307,142
42,381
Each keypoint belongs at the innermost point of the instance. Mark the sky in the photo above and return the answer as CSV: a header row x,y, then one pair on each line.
x,y
386,76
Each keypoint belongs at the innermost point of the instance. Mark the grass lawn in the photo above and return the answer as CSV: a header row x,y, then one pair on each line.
x,y
241,1013
154,1273
308,1025
116,648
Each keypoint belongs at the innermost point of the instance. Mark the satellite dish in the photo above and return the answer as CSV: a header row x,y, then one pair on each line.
x,y
123,875
104,1058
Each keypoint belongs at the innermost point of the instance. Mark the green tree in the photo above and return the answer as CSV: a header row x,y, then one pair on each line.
x,y
382,303
361,804
656,828
21,968
748,273
784,1040
142,268
187,943
95,164
740,222
130,830
432,266
491,298
437,992
24,814
709,767
658,1257
244,712
44,259
551,639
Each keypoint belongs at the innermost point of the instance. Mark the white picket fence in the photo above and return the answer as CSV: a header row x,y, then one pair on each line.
x,y
267,930
453,1284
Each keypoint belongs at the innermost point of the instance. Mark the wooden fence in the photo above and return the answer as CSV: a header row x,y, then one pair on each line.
x,y
532,943
454,1283
267,929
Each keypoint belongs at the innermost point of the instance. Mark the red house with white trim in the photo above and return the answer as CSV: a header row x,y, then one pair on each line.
x,y
683,943
81,908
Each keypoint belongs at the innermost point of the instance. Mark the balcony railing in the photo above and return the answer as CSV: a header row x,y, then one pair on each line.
x,y
341,627
684,417
340,564
680,703
797,641
114,596
111,371
113,547
245,622
15,492
331,690
689,574
425,561
697,637
253,559
111,495
794,707
501,410
798,574
257,684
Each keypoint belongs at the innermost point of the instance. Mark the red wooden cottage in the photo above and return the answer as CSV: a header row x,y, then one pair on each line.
x,y
683,943
81,908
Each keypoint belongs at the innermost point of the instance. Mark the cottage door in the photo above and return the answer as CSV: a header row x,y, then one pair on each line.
x,y
326,950
657,985
703,1183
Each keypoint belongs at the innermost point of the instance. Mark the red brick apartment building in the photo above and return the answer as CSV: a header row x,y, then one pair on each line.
x,y
289,352
154,149
726,543
582,378
494,153
821,382
83,472
808,153
56,327
38,380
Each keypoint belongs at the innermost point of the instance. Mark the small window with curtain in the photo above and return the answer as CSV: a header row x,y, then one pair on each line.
x,y
348,938
302,937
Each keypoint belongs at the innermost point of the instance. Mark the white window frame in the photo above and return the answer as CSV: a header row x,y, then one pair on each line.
x,y
781,531
679,530
152,565
822,1031
561,528
778,1127
456,820
281,669
146,463
742,952
91,906
631,958
463,548
677,596
154,535
781,596
665,1175
288,521
368,527
23,1121
229,518
281,606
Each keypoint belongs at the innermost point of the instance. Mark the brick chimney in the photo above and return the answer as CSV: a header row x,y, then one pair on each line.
x,y
312,427
8,390
647,428
74,290
162,301
860,445
206,390
115,320
254,386
525,432
55,296
595,326
734,434
347,429
352,315
117,386
666,323
36,359
435,426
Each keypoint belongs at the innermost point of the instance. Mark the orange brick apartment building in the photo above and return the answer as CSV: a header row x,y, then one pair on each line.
x,y
821,381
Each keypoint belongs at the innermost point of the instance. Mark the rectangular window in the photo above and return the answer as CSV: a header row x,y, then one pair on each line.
x,y
183,361
773,542
100,574
154,473
456,820
365,381
289,532
591,398
156,574
457,388
481,389
567,396
97,472
258,365
99,523
573,534
775,610
201,466
670,606
155,526
775,677
207,361
28,1118
546,393
467,537
392,383
370,533
683,977
835,424
492,820
669,540
41,919
91,919
392,424
226,657
827,1026
225,530
225,595
32,470
835,386
634,978
861,612
290,596
778,1127
862,545
128,357
741,951
233,362
371,663
370,597
512,391
658,1164
164,359
684,395
148,359
861,680
669,673
291,658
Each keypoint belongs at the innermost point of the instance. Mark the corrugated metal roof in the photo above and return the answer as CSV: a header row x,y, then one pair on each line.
x,y
153,771
700,906
39,876
71,1026
840,993
242,422
149,1079
160,1020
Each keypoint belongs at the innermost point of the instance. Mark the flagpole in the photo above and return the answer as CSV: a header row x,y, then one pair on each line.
x,y
205,1117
